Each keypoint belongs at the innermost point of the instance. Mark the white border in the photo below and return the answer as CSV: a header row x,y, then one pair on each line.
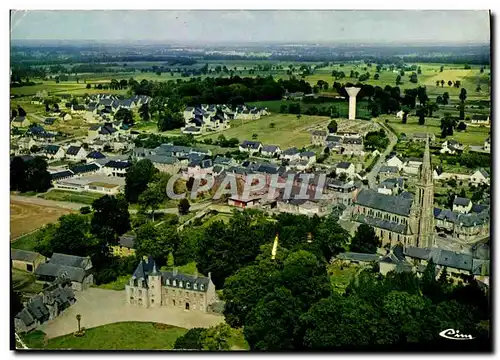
x,y
196,4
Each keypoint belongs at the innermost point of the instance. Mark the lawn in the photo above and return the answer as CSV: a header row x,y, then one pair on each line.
x,y
82,197
288,131
122,336
472,136
340,277
217,217
118,284
26,242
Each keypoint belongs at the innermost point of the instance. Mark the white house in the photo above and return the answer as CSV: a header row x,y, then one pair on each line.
x,y
188,113
308,156
400,114
116,168
291,154
395,161
481,176
54,152
412,165
390,186
76,153
65,116
487,144
271,150
462,205
345,167
450,147
250,146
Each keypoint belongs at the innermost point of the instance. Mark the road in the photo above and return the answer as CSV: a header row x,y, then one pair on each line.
x,y
76,206
393,139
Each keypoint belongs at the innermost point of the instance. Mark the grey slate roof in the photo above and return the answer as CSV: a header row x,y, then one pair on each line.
x,y
442,257
381,223
333,139
23,255
73,150
484,173
127,240
61,174
250,144
388,169
68,260
185,279
81,169
52,149
308,154
319,133
38,309
25,316
343,165
358,257
291,151
479,265
461,201
57,270
392,204
221,160
144,268
270,148
159,159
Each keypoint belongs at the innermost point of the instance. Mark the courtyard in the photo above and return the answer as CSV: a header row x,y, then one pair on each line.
x,y
100,306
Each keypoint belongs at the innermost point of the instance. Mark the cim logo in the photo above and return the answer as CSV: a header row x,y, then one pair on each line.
x,y
453,334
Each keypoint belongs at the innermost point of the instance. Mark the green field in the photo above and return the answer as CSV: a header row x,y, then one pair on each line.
x,y
122,336
288,131
341,277
82,197
26,242
24,282
471,136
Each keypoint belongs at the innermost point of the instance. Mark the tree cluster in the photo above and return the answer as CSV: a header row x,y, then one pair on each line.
x,y
29,175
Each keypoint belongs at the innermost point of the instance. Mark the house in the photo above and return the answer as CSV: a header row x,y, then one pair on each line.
x,y
193,130
54,152
343,192
395,161
352,145
451,147
149,288
244,203
125,246
116,168
270,150
75,268
308,156
412,165
168,164
487,144
224,161
480,120
25,260
49,121
421,136
462,205
76,153
61,175
291,154
345,167
20,121
199,168
188,113
358,258
78,109
85,169
65,116
391,186
307,207
456,263
45,306
318,137
94,155
250,146
481,176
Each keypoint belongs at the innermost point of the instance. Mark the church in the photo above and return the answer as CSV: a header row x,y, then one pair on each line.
x,y
149,287
404,218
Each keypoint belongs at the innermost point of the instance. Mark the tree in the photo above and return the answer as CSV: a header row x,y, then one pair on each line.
x,y
21,111
152,197
88,86
461,126
137,179
398,80
463,95
272,125
272,324
441,68
254,136
413,78
450,82
332,126
443,277
437,82
406,111
431,107
18,175
419,70
446,98
461,110
37,178
478,88
184,206
421,113
111,217
442,83
124,115
191,340
170,260
144,112
85,210
365,240
329,238
170,120
376,76
283,108
216,338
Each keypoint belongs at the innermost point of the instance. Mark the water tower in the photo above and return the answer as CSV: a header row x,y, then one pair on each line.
x,y
352,92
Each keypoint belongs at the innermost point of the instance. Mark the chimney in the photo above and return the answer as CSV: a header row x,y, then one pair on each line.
x,y
175,271
210,275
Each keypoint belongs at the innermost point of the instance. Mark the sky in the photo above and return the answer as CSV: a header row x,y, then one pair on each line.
x,y
284,26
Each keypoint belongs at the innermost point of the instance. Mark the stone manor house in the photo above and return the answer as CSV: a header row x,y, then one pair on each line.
x,y
149,287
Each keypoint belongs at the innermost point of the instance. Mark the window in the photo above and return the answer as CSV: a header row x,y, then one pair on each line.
x,y
188,285
202,287
195,286
29,267
174,283
167,281
131,299
180,283
173,302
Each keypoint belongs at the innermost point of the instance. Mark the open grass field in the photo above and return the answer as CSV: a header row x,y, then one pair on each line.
x,y
25,218
25,282
122,336
82,197
26,242
472,136
288,131
340,277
